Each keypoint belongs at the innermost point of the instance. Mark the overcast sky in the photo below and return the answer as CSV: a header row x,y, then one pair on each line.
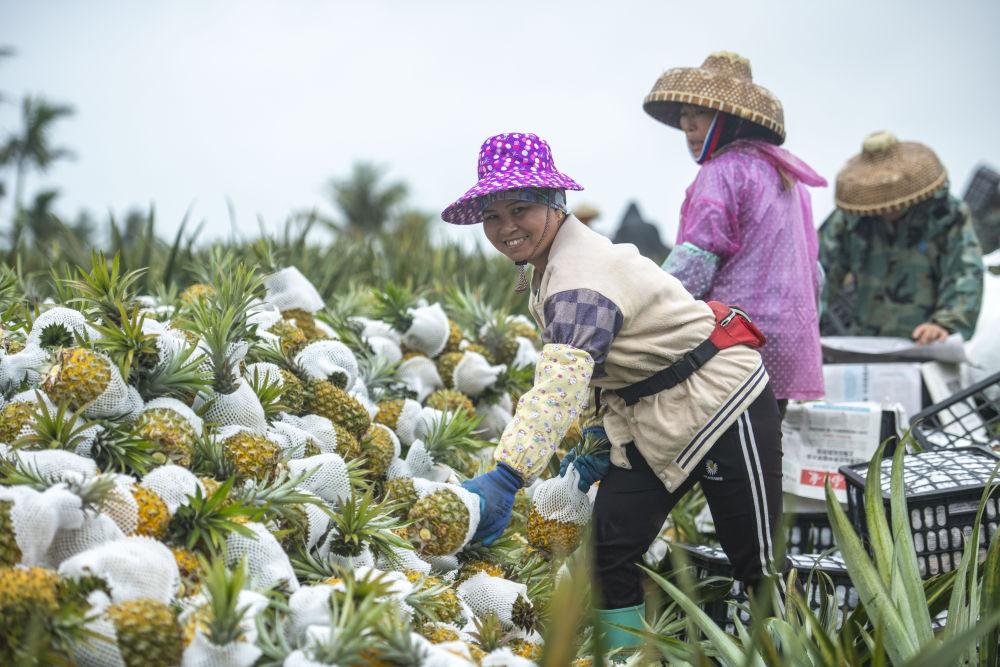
x,y
179,102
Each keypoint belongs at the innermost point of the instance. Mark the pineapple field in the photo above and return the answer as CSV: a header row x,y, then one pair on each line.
x,y
260,467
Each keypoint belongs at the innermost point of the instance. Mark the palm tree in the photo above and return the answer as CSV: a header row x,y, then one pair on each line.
x,y
32,148
366,205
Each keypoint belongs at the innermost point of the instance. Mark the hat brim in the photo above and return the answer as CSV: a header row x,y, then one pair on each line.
x,y
465,210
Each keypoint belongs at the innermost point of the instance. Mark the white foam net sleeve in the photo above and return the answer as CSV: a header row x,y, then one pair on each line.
x,y
494,420
473,374
292,440
134,567
120,505
363,559
401,560
288,289
429,331
95,530
115,400
312,427
419,461
560,499
526,354
448,654
73,321
429,418
424,487
101,650
385,347
443,565
504,657
486,594
267,563
265,372
27,365
328,360
56,464
406,425
319,523
309,605
329,481
37,517
173,484
398,469
203,653
377,329
421,376
240,408
180,408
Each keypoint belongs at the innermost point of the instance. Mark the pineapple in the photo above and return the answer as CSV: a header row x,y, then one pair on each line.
x,y
479,348
448,608
446,364
190,571
401,494
305,322
291,338
455,337
173,435
498,337
13,418
450,400
524,330
154,516
78,377
360,523
348,446
474,567
389,411
437,633
28,598
293,392
253,456
439,523
526,649
378,448
10,552
327,400
555,537
197,292
148,633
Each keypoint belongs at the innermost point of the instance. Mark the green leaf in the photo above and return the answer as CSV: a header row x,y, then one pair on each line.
x,y
913,603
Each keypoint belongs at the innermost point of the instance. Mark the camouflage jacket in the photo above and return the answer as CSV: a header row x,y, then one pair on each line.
x,y
885,279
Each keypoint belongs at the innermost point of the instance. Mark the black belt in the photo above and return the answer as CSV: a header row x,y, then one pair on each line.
x,y
671,376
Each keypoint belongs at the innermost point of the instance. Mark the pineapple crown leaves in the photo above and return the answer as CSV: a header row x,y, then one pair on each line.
x,y
208,457
130,348
280,494
222,587
513,380
381,377
523,614
116,449
104,292
395,644
310,567
204,522
361,522
452,435
489,633
392,304
269,391
467,308
353,618
347,330
180,376
427,601
58,428
593,445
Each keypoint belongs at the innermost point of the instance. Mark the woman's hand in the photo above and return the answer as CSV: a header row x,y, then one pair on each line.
x,y
496,490
928,332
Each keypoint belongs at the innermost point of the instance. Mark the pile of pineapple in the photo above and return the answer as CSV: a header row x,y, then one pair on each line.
x,y
244,473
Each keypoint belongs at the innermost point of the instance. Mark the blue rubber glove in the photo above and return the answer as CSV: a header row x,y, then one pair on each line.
x,y
496,490
592,467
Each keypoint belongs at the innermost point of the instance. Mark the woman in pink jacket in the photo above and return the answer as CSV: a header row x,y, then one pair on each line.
x,y
746,230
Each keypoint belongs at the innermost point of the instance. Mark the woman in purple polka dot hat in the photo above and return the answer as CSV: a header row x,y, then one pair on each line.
x,y
688,399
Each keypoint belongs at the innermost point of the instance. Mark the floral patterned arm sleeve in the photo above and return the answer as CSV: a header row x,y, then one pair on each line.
x,y
694,267
580,326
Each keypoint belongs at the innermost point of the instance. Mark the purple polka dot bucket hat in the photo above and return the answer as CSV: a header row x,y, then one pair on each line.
x,y
511,161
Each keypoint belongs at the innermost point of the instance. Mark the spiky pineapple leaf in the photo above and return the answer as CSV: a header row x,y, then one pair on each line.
x,y
204,522
392,303
104,292
59,428
222,587
360,522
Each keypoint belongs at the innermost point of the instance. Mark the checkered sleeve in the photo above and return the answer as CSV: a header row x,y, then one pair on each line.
x,y
584,319
545,412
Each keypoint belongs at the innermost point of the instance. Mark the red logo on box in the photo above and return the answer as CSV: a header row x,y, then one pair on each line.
x,y
819,477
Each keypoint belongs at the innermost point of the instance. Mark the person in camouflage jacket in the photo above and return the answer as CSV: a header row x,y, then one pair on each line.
x,y
916,273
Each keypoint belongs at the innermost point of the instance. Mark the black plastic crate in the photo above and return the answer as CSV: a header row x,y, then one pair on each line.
x,y
808,533
943,488
969,418
707,561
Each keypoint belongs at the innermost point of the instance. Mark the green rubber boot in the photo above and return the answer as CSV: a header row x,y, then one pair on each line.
x,y
616,638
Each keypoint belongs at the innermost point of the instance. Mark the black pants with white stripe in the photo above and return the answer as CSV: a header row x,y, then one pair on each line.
x,y
741,479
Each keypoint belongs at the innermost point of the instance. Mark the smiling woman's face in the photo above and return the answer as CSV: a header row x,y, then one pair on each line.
x,y
516,228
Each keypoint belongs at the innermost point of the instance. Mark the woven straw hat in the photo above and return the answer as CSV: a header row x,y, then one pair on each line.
x,y
723,82
888,175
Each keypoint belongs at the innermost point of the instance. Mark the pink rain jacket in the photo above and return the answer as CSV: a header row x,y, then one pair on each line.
x,y
747,240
